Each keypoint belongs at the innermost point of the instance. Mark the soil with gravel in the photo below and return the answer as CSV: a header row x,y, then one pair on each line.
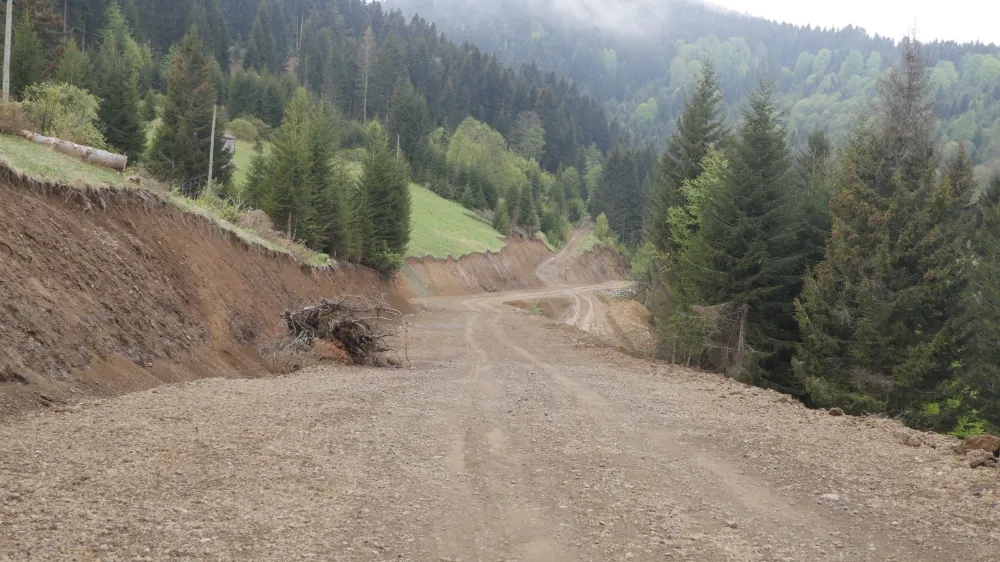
x,y
511,437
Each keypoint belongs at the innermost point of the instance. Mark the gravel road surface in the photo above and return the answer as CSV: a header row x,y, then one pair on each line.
x,y
511,437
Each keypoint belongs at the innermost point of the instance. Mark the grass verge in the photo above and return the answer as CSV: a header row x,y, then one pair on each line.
x,y
36,161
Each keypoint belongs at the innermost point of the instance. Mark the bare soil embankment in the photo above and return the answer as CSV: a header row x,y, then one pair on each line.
x,y
107,291
511,268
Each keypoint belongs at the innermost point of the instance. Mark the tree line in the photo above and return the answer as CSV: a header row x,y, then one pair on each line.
x,y
823,77
346,104
861,275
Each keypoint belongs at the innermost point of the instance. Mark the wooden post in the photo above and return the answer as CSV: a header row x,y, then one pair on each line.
x,y
6,51
211,149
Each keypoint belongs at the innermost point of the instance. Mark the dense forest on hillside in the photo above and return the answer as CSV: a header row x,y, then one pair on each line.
x,y
642,65
345,103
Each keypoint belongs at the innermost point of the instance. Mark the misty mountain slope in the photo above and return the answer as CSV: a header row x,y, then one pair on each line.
x,y
640,58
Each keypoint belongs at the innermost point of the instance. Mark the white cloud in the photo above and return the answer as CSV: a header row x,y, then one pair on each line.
x,y
968,20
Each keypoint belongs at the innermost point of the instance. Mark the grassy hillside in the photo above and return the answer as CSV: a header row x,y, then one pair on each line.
x,y
443,228
241,161
40,162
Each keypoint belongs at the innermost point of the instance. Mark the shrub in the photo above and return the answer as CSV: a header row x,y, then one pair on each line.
x,y
385,261
243,130
13,120
64,111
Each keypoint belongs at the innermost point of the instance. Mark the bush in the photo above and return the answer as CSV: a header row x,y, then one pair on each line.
x,y
64,111
222,208
243,130
385,261
13,120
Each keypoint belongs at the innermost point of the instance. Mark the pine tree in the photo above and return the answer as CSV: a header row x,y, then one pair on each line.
x,y
621,194
744,252
117,66
882,315
261,53
409,120
258,191
699,126
366,60
814,177
527,138
180,150
981,377
72,66
291,173
27,57
501,218
387,197
527,214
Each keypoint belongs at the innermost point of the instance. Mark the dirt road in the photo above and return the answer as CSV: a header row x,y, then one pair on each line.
x,y
511,438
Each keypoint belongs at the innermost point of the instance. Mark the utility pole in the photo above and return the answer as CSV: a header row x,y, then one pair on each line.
x,y
6,51
65,21
211,150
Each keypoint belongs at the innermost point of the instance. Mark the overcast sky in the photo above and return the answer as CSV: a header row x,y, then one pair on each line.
x,y
959,20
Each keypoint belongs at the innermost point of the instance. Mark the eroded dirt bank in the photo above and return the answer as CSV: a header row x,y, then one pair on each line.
x,y
513,267
105,292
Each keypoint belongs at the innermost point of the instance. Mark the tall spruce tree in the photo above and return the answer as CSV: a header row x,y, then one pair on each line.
x,y
387,199
72,66
261,53
882,314
180,150
258,191
815,175
27,56
744,252
409,121
292,172
981,377
699,126
116,73
621,193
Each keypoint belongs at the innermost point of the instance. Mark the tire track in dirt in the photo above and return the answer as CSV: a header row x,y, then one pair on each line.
x,y
518,527
727,485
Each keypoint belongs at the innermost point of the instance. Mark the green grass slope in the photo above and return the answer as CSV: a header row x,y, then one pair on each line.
x,y
442,228
41,162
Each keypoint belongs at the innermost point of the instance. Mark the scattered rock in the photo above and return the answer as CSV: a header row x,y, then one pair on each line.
x,y
977,458
836,412
910,439
987,443
830,497
732,524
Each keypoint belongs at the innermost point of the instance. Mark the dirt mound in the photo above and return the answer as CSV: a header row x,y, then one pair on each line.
x,y
110,291
510,268
554,308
